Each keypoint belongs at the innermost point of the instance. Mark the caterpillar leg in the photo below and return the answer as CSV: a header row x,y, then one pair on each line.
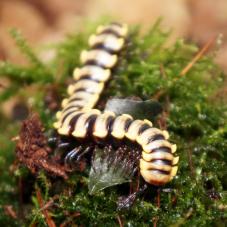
x,y
70,157
58,142
127,202
53,141
85,151
64,145
75,155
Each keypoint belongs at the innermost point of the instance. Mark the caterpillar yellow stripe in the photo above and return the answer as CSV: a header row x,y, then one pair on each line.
x,y
158,164
97,64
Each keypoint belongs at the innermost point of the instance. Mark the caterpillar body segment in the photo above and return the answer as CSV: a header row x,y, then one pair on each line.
x,y
97,64
155,177
99,57
157,154
135,129
120,125
67,123
78,96
103,124
155,165
158,165
155,143
106,41
95,73
150,134
119,30
86,85
86,120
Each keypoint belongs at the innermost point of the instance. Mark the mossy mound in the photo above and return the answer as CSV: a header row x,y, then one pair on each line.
x,y
194,114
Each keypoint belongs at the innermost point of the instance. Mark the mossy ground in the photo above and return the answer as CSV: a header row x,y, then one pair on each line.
x,y
194,115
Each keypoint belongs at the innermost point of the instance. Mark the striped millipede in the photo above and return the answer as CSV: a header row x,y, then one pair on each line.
x,y
78,119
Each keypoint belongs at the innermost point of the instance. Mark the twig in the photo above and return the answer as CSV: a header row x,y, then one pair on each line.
x,y
162,71
158,198
130,188
49,203
204,49
165,114
10,211
33,224
2,85
66,223
158,203
134,186
189,153
189,213
119,221
155,221
21,189
138,181
158,94
49,221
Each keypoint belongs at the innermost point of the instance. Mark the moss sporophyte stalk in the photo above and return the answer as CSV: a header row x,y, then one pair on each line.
x,y
38,188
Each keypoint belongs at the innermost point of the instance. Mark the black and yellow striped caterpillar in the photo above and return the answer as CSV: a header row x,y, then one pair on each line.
x,y
89,80
158,165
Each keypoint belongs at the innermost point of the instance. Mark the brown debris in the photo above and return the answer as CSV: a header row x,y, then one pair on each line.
x,y
32,149
49,203
120,222
52,98
49,221
200,54
69,220
158,204
10,211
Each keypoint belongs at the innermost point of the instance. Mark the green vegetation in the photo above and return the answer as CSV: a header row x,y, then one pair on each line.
x,y
195,116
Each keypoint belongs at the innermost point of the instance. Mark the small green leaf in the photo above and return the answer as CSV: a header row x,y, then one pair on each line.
x,y
148,109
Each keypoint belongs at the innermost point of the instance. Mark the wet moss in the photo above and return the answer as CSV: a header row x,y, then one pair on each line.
x,y
193,114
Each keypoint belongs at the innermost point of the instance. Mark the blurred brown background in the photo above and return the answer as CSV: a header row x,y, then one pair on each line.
x,y
43,21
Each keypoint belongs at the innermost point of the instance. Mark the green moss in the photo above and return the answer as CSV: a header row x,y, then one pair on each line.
x,y
196,121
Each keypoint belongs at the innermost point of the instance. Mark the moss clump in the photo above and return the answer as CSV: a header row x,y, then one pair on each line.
x,y
194,116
